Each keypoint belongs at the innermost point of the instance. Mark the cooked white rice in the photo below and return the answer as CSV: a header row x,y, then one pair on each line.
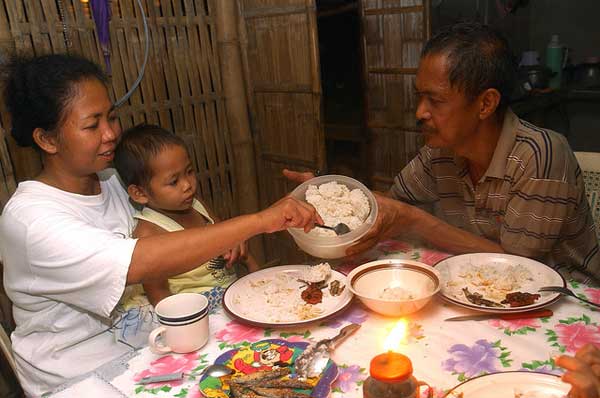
x,y
493,282
336,204
317,273
396,293
277,298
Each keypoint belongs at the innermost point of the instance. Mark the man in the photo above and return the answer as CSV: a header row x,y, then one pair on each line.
x,y
497,183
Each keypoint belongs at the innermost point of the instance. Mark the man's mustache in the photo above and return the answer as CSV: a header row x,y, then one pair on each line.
x,y
423,127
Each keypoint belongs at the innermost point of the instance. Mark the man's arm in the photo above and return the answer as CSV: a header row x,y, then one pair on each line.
x,y
398,218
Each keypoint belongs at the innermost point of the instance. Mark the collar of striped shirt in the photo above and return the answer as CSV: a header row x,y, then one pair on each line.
x,y
505,145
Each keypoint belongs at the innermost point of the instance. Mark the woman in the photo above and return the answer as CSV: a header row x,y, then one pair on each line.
x,y
64,235
582,372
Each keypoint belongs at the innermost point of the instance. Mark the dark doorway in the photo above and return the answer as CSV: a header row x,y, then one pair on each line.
x,y
339,30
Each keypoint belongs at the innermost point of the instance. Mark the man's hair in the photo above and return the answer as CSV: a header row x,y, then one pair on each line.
x,y
138,146
478,58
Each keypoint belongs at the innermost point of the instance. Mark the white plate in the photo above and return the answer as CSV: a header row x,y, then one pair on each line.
x,y
452,283
510,385
244,301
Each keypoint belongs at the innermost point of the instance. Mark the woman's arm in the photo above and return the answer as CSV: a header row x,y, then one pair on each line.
x,y
165,255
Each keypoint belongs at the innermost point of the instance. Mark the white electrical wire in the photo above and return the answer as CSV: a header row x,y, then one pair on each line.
x,y
143,68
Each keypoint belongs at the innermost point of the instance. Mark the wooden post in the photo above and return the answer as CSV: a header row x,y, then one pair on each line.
x,y
237,114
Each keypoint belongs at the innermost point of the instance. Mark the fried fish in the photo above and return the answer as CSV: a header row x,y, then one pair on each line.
x,y
260,377
277,392
287,383
239,391
477,299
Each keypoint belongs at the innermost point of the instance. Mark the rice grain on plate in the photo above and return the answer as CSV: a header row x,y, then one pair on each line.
x,y
277,298
336,204
317,273
493,282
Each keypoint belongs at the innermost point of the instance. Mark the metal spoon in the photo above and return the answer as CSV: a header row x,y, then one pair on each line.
x,y
566,292
314,358
214,370
339,229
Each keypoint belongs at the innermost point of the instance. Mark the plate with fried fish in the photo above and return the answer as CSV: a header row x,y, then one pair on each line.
x,y
265,369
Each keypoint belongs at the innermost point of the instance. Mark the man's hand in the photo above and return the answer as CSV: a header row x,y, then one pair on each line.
x,y
583,372
298,176
393,218
289,213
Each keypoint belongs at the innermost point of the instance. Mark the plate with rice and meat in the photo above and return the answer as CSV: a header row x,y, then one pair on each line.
x,y
492,282
288,295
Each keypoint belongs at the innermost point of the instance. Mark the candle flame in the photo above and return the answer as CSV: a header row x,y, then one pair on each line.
x,y
397,336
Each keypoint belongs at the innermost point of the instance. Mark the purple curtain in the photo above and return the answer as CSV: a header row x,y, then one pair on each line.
x,y
101,14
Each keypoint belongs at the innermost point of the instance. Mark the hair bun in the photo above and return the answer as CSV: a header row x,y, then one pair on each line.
x,y
22,136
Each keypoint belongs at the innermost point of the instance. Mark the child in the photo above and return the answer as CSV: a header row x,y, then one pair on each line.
x,y
155,167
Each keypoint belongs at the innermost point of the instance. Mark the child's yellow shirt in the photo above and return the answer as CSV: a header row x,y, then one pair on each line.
x,y
201,279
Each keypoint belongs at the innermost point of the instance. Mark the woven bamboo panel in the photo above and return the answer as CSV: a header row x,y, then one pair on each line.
x,y
394,34
281,63
386,4
181,89
269,4
392,149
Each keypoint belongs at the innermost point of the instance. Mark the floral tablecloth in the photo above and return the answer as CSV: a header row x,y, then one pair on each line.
x,y
443,353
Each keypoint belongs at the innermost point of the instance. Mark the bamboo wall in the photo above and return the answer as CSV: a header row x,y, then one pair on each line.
x,y
394,34
181,89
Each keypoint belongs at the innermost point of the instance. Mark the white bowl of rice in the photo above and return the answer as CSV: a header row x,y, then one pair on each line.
x,y
394,287
338,199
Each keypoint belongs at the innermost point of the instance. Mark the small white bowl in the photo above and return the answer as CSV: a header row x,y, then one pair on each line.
x,y
332,246
417,281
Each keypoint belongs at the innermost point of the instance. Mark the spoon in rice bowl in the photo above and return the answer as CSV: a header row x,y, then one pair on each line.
x,y
339,229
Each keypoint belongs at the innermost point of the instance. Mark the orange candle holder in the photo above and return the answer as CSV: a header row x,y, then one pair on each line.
x,y
391,367
391,377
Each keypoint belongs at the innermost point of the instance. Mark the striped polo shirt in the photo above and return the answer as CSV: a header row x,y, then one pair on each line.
x,y
531,199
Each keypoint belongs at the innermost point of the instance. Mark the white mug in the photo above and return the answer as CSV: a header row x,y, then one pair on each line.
x,y
184,324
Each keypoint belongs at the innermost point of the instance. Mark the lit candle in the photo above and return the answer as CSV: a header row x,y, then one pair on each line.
x,y
392,366
391,372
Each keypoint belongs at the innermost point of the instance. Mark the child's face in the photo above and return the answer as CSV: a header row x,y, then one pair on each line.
x,y
173,182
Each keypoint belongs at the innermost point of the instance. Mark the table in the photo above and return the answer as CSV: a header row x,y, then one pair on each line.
x,y
443,353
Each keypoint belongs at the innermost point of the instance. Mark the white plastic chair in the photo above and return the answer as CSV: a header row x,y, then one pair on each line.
x,y
589,162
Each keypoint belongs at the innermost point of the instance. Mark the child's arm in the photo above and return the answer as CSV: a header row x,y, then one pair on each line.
x,y
155,289
251,263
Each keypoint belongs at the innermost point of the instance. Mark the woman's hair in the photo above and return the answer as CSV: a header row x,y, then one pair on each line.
x,y
38,91
138,146
478,58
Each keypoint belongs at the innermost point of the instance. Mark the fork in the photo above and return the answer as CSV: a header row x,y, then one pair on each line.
x,y
217,262
566,292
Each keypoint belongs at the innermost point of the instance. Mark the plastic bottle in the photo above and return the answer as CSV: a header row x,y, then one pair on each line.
x,y
554,61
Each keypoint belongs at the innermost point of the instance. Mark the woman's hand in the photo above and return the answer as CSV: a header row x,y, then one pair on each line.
x,y
298,176
583,372
393,218
289,213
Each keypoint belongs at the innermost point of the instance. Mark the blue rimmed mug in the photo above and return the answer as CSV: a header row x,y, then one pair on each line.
x,y
183,322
